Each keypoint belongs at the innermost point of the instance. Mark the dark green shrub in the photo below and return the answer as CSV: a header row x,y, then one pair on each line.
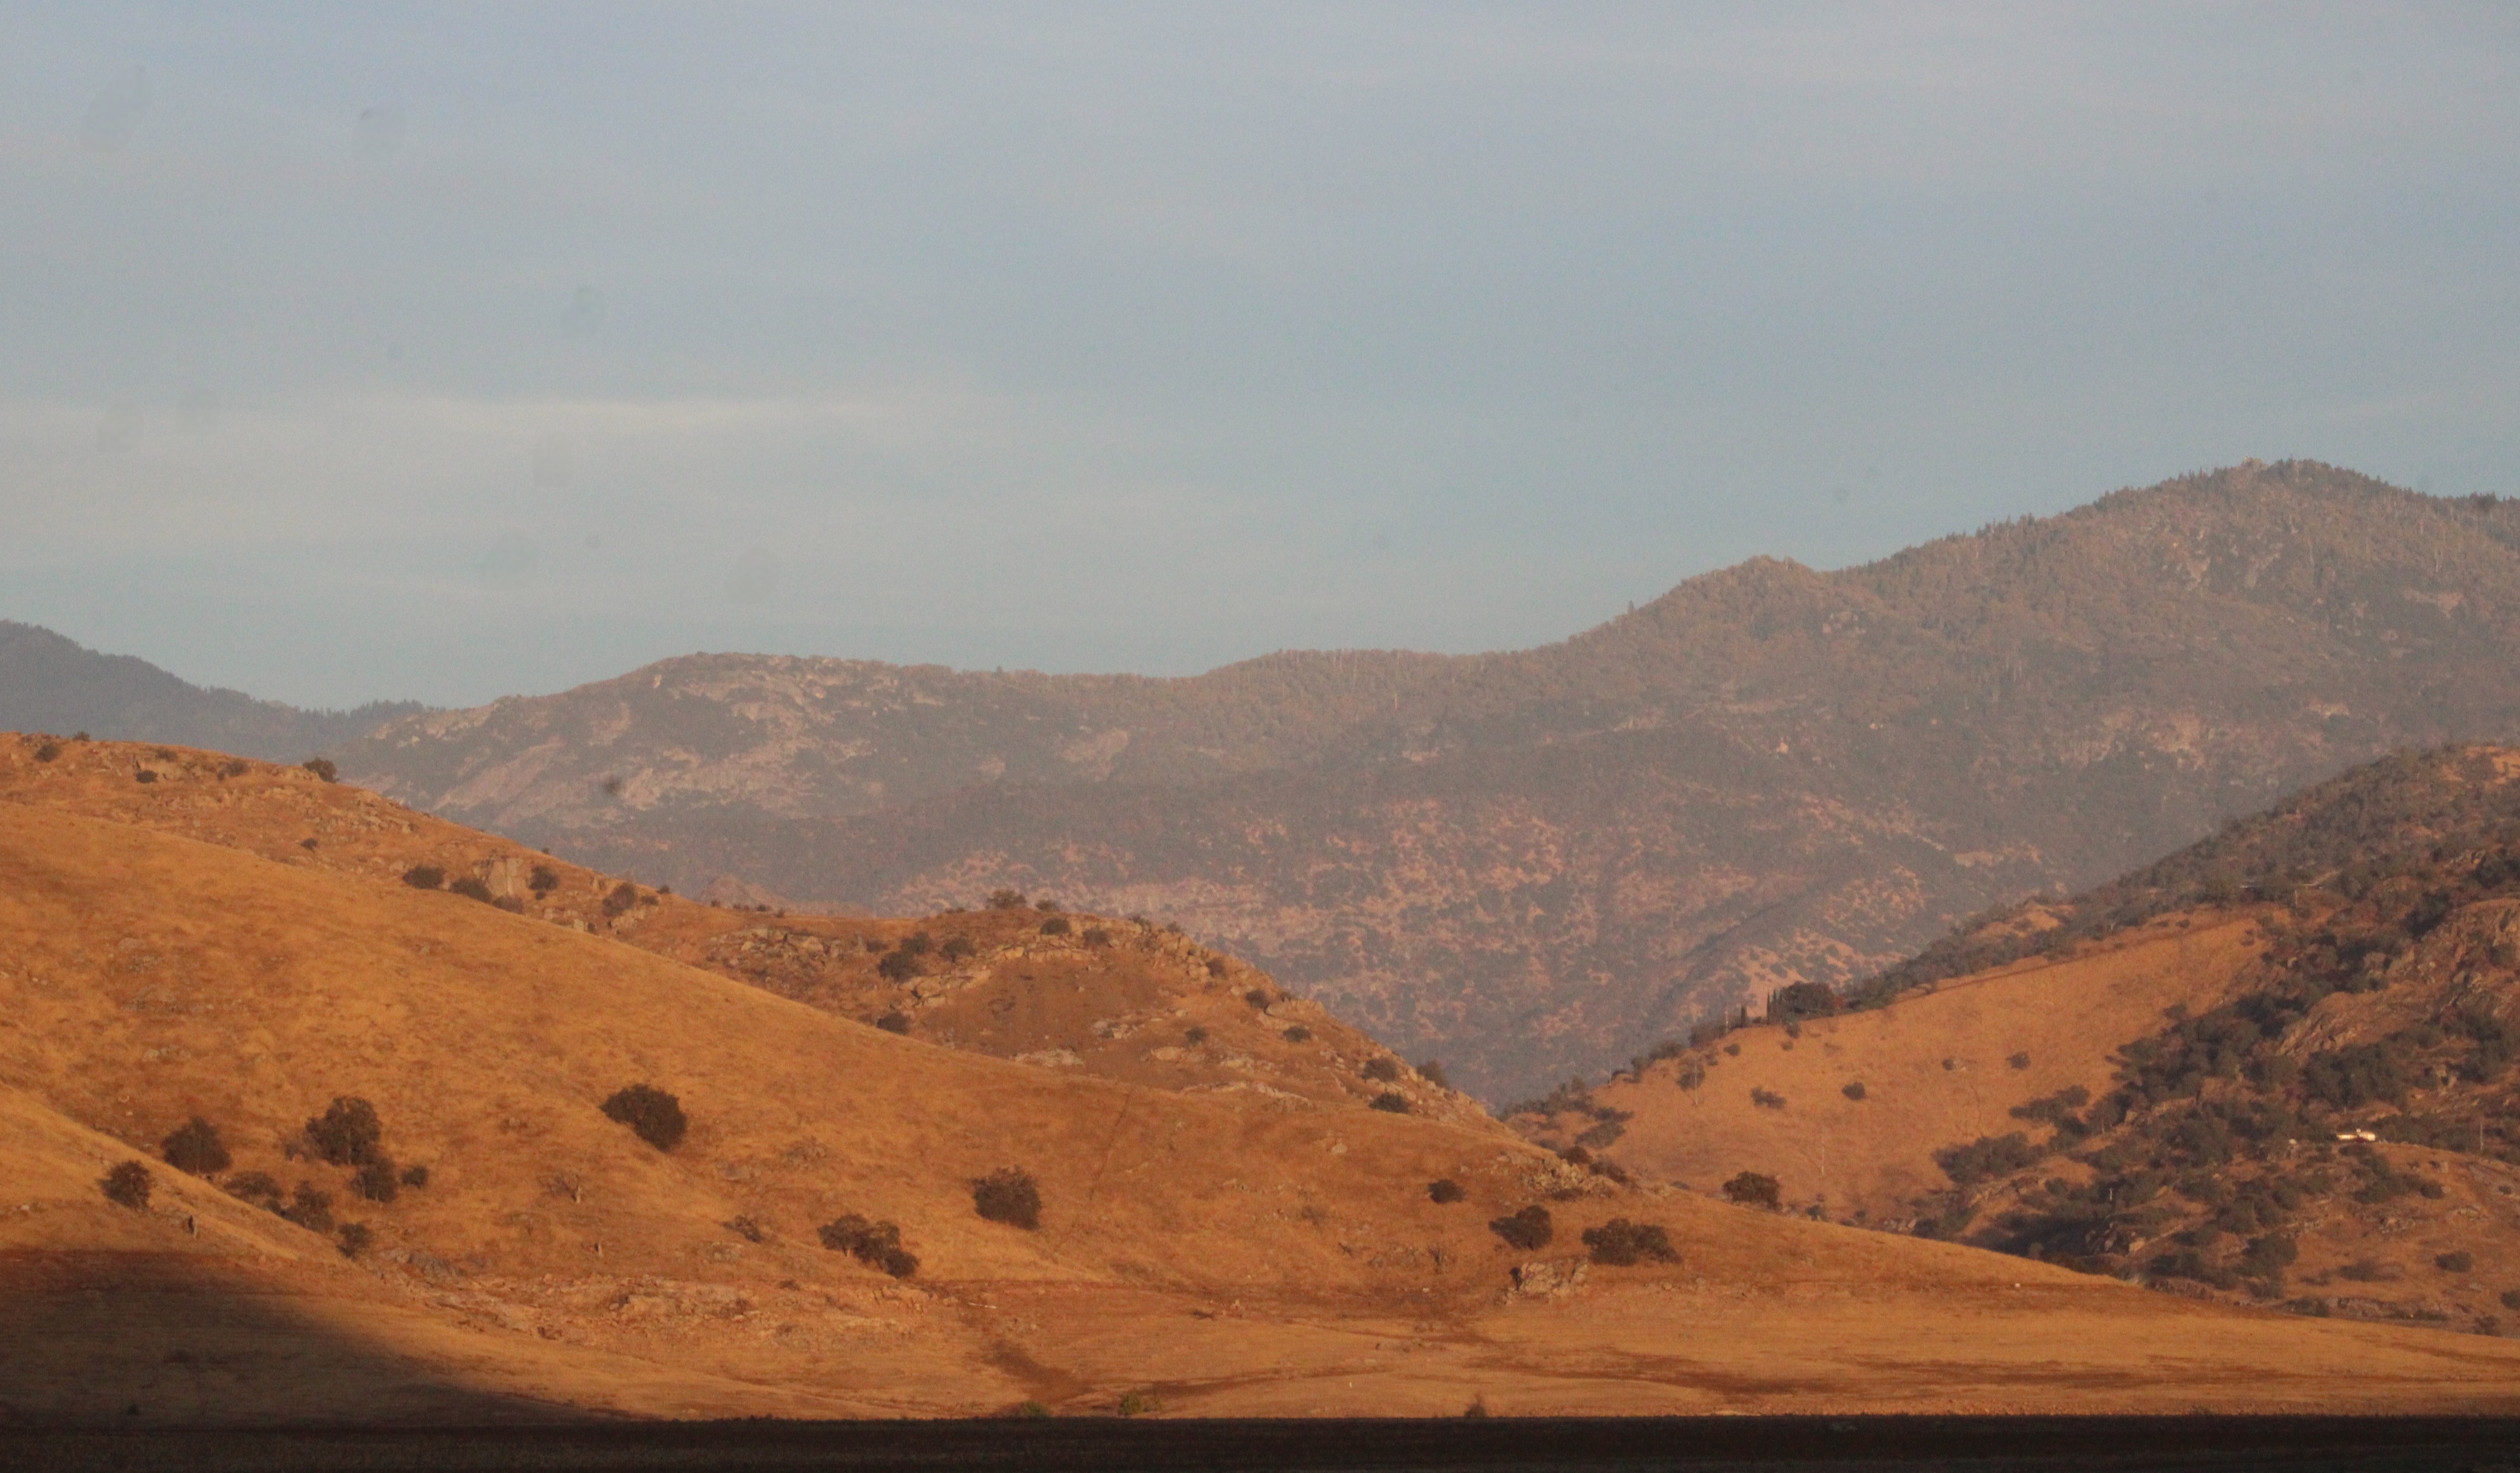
x,y
877,1244
415,1175
618,900
1297,1033
1445,1191
322,766
1046,906
1390,1102
1766,1099
1008,1195
311,1210
48,752
144,775
194,1146
2269,1255
1384,1070
898,966
1799,1000
1989,1155
1753,1189
347,1133
1258,997
895,1021
1008,899
1194,1035
1529,1229
1056,925
916,944
2511,1299
2455,1262
355,1238
1619,1243
424,877
2019,1060
1216,966
128,1184
1853,1090
542,880
377,1179
1432,1071
653,1115
473,888
958,949
255,1187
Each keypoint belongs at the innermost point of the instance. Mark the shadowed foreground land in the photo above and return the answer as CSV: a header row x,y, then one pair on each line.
x,y
2316,1445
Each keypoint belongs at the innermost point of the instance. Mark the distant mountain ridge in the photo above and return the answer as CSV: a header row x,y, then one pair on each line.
x,y
1541,862
49,683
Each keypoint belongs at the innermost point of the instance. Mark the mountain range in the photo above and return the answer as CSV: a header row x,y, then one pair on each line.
x,y
1540,863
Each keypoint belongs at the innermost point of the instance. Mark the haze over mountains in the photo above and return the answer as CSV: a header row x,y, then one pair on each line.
x,y
1542,861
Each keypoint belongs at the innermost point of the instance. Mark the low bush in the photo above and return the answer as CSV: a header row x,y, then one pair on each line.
x,y
415,1175
1258,997
1008,1195
1195,1033
898,966
128,1184
1299,1033
310,1209
1753,1189
916,944
2364,1271
347,1133
877,1244
2270,1255
473,888
2019,1060
1529,1229
48,752
1432,1071
322,766
255,1187
1853,1090
424,877
1008,899
144,775
1383,1071
1390,1102
1216,966
1766,1099
233,767
1056,925
958,949
2455,1262
2511,1299
1096,936
377,1179
542,880
895,1021
1987,1157
747,1229
653,1115
1445,1191
194,1146
1619,1243
355,1238
619,898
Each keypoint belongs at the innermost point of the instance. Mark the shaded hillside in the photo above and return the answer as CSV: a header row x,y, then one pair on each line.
x,y
392,1172
51,685
1536,863
2274,1066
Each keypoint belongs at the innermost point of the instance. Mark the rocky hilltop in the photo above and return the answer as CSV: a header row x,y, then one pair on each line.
x,y
1541,862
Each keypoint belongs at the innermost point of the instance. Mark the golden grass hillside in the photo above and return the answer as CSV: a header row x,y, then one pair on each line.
x,y
1120,998
1201,1253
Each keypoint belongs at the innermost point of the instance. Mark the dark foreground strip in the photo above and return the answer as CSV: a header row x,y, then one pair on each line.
x,y
1506,1444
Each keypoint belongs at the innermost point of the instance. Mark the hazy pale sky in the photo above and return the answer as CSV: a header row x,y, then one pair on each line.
x,y
352,352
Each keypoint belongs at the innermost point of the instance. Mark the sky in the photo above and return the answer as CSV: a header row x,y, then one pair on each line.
x,y
354,352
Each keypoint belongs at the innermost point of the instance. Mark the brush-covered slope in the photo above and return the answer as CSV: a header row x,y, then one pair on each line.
x,y
1207,1253
2172,1077
1535,863
1120,998
49,683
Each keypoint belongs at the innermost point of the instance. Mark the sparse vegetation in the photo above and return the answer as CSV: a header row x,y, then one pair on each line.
x,y
128,1184
322,768
1529,1229
424,877
653,1115
1056,925
1619,1243
958,949
1008,1195
347,1133
2460,1262
1754,1189
875,1244
1390,1101
1445,1191
1383,1070
194,1147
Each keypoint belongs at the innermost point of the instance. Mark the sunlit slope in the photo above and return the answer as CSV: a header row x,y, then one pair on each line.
x,y
1214,1253
1123,999
1943,1065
